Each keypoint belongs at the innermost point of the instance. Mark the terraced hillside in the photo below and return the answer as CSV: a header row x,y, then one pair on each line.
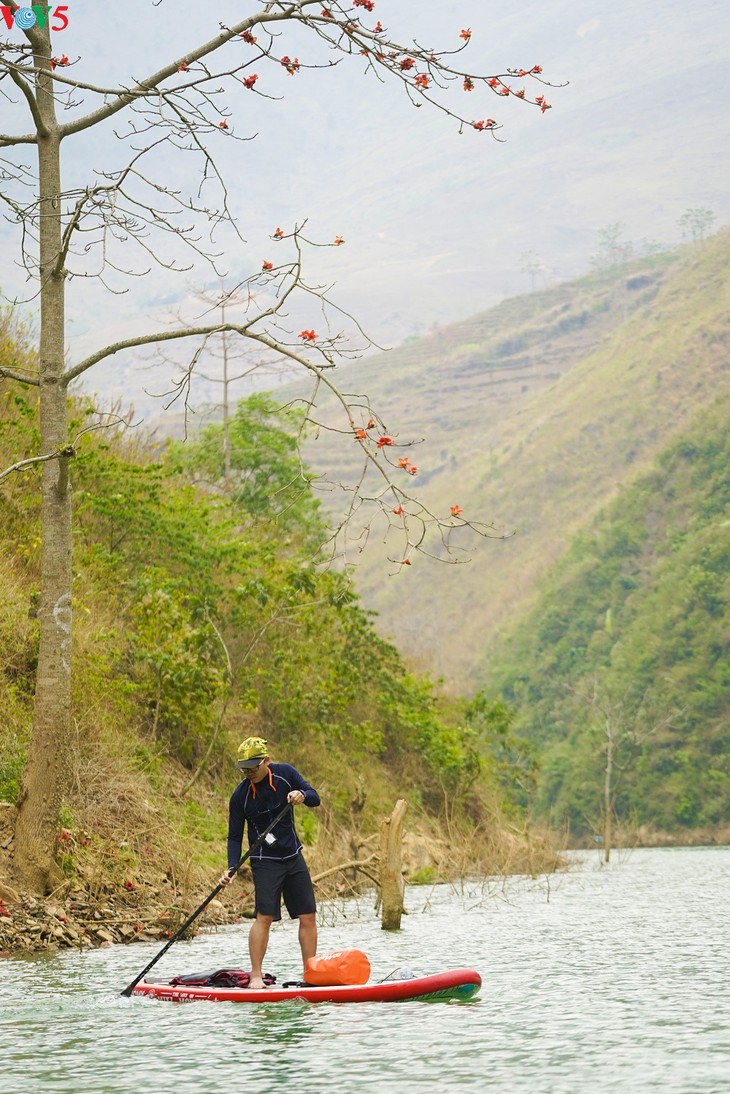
x,y
535,414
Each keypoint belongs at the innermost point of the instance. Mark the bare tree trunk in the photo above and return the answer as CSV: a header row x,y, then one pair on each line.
x,y
607,799
46,777
392,887
226,423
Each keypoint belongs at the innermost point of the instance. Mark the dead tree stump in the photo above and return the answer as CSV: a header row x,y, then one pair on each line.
x,y
392,886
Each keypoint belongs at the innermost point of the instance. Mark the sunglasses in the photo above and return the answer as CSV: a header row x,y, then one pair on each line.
x,y
245,766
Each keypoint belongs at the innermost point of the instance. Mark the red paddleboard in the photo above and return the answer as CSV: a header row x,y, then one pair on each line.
x,y
456,984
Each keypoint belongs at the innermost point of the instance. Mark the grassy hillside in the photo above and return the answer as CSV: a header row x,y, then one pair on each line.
x,y
535,415
630,638
201,619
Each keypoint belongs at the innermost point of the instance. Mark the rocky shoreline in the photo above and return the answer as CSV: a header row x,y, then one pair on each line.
x,y
32,925
106,902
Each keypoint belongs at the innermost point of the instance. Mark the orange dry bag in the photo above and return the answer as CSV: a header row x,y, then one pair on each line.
x,y
341,967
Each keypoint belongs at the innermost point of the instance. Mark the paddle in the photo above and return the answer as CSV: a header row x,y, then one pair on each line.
x,y
233,871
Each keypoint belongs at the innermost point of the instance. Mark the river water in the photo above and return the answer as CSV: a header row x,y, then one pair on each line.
x,y
602,978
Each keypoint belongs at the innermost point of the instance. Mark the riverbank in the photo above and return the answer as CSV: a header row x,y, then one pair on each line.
x,y
718,836
79,921
123,892
115,897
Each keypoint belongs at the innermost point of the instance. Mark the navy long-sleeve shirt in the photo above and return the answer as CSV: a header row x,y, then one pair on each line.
x,y
258,805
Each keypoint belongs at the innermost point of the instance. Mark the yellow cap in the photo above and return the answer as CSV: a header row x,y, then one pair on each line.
x,y
251,752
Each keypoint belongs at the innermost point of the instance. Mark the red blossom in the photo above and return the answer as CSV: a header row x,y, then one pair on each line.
x,y
371,423
504,91
266,265
537,69
466,34
249,81
412,470
182,67
278,234
60,62
399,510
249,37
326,14
521,93
456,510
361,435
494,82
378,28
367,4
223,124
403,461
468,83
545,106
339,241
421,80
405,562
308,336
406,64
289,65
384,441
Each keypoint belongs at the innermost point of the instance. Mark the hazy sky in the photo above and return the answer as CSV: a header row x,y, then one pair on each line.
x,y
437,224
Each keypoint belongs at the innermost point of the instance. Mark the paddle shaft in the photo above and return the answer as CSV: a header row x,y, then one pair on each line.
x,y
191,919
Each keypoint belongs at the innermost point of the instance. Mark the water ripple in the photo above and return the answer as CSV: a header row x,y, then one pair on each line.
x,y
600,979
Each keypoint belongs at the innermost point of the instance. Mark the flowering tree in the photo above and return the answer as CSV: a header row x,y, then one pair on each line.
x,y
122,222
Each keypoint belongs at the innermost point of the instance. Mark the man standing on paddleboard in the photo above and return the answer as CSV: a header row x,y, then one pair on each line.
x,y
278,866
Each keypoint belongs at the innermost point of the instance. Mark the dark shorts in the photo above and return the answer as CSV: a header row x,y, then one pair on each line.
x,y
288,879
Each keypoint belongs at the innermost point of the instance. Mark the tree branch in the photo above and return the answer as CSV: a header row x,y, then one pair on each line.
x,y
144,87
353,864
23,465
185,332
67,452
30,98
11,374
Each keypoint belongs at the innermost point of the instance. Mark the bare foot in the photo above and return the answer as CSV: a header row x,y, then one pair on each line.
x,y
256,982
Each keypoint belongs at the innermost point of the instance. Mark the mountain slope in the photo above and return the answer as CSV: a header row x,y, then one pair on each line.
x,y
536,414
629,647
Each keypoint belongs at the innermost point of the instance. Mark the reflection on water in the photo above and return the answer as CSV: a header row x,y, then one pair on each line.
x,y
289,1023
599,979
